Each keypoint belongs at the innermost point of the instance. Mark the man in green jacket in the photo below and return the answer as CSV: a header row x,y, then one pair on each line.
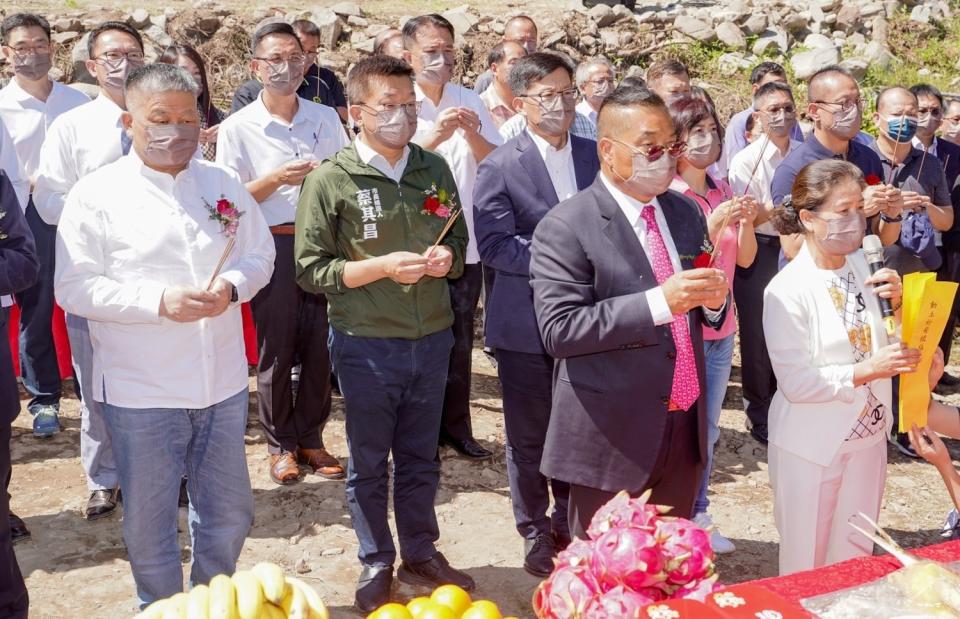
x,y
368,235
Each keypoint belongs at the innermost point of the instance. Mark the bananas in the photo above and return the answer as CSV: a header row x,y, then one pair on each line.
x,y
261,593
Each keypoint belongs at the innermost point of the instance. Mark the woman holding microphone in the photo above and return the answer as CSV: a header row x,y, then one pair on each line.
x,y
833,361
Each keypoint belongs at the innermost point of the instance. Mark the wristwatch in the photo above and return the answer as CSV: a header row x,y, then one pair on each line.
x,y
891,220
234,297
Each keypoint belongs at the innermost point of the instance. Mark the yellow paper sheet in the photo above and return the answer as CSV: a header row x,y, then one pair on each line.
x,y
926,308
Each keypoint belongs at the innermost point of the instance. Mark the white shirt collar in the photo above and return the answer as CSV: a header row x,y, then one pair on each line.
x,y
546,148
919,145
374,159
584,108
263,116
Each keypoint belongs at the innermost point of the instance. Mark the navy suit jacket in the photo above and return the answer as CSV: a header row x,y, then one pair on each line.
x,y
18,270
513,193
615,365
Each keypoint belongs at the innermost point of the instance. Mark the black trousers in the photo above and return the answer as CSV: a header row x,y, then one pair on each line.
x,y
527,382
950,272
464,296
674,480
759,382
13,592
291,327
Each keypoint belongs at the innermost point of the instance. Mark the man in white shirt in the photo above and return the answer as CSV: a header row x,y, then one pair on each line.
x,y
454,122
498,97
519,29
29,103
79,142
137,251
517,185
751,172
595,81
273,143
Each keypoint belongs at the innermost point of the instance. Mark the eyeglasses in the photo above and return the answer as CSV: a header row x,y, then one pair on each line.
x,y
21,53
936,112
115,58
601,81
952,119
844,105
788,109
655,151
273,61
569,94
410,109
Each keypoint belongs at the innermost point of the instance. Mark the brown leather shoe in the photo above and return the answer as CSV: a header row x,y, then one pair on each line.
x,y
284,469
322,463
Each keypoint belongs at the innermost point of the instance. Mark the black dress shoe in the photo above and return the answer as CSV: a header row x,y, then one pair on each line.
x,y
948,380
18,529
539,554
373,587
469,449
759,432
434,572
102,503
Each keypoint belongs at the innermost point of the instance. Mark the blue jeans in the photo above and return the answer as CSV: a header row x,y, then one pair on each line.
x,y
38,356
718,360
393,392
155,448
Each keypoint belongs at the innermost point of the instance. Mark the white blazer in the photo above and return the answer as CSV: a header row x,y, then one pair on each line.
x,y
816,405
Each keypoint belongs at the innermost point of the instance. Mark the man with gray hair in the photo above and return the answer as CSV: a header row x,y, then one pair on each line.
x,y
139,248
595,81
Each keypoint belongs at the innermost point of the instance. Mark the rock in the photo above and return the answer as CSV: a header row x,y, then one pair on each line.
x,y
357,37
553,39
621,12
695,28
871,10
498,27
876,53
827,5
773,39
848,19
730,35
347,9
610,39
817,41
735,11
756,23
331,552
570,51
302,566
331,27
374,29
78,59
602,15
63,38
921,14
805,64
857,41
794,22
357,22
880,30
857,67
66,24
588,40
462,18
158,36
732,63
139,19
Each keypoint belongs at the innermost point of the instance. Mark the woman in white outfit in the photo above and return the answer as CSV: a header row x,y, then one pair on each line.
x,y
833,361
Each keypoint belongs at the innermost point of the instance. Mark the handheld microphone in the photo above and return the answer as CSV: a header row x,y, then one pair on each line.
x,y
873,251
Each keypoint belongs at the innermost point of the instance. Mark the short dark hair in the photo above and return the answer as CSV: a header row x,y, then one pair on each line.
x,y
414,25
109,26
822,74
885,91
625,96
634,81
927,90
669,66
750,123
271,29
305,26
764,69
772,87
498,52
535,67
23,20
689,110
368,70
525,18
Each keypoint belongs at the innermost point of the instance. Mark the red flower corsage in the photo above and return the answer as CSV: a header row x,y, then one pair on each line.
x,y
438,202
702,261
873,179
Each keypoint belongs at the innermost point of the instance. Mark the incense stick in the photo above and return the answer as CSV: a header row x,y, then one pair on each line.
x,y
446,228
922,159
726,218
223,259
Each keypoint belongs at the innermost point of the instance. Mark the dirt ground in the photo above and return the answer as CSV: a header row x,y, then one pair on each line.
x,y
75,568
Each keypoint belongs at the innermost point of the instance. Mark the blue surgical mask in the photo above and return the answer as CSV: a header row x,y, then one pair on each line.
x,y
901,128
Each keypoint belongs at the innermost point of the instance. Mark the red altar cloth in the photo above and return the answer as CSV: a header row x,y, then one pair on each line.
x,y
63,344
852,573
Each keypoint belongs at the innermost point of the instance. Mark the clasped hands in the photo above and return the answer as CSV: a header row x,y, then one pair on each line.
x,y
453,118
190,304
687,290
891,201
405,267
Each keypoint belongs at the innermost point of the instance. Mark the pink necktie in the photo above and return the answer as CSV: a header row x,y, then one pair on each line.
x,y
686,385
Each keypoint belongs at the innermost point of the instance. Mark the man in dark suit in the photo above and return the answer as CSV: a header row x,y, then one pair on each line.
x,y
18,270
517,185
620,306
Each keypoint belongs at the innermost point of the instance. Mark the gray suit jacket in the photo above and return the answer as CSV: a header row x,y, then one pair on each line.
x,y
615,366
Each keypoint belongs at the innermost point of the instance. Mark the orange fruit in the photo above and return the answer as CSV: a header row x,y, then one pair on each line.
x,y
482,609
391,611
434,610
453,597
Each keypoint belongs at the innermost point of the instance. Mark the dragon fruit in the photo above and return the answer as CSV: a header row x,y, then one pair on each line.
x,y
699,590
622,603
688,554
622,511
628,556
567,593
578,552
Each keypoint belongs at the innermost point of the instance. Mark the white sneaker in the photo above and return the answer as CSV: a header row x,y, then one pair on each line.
x,y
721,545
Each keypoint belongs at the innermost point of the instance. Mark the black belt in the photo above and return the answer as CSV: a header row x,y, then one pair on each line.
x,y
768,239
